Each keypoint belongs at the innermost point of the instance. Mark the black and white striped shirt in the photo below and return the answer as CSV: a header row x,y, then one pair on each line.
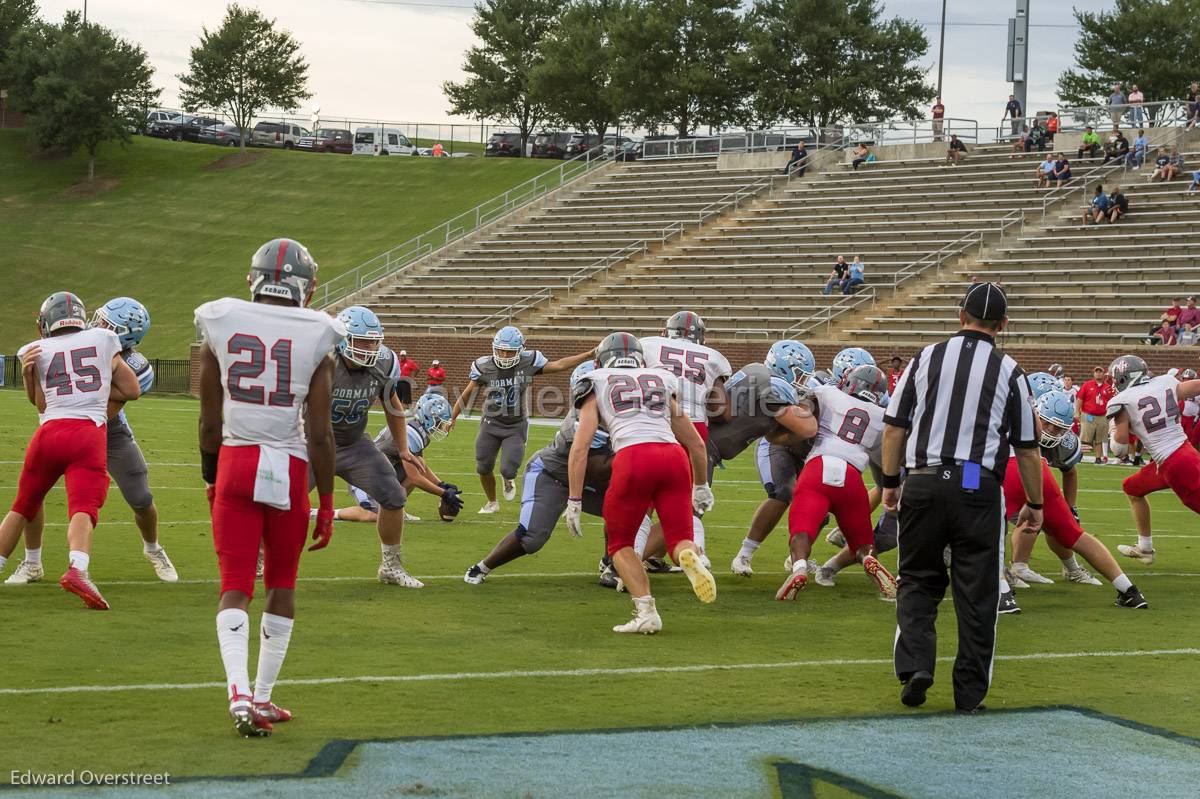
x,y
961,400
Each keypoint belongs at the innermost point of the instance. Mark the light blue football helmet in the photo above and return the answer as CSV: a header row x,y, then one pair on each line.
x,y
785,390
126,317
364,336
433,414
510,341
1057,413
791,362
849,358
1043,382
581,370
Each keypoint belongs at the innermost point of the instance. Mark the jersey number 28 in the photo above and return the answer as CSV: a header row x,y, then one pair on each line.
x,y
281,354
627,394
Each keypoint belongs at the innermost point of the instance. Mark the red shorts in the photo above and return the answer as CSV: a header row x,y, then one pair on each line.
x,y
849,504
702,429
1057,519
1191,426
656,475
241,525
72,448
1180,473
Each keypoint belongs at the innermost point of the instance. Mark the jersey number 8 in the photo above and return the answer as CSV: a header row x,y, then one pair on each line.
x,y
854,426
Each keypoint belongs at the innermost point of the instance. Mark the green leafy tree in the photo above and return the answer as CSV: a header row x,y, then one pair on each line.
x,y
500,70
14,15
243,67
1146,42
76,82
823,62
574,76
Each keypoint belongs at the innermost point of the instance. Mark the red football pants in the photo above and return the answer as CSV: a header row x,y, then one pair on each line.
x,y
1057,519
849,504
1180,473
702,429
241,525
645,476
72,448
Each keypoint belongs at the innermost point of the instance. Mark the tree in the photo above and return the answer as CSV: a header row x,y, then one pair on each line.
x,y
244,66
500,70
1140,41
823,62
76,82
14,15
574,76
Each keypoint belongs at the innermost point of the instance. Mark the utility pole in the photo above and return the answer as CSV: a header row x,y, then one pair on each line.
x,y
1018,52
941,50
84,12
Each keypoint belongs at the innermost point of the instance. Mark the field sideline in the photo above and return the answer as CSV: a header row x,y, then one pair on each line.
x,y
139,688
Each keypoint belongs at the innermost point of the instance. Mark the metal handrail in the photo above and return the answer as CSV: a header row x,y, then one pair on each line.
x,y
401,257
1099,171
846,302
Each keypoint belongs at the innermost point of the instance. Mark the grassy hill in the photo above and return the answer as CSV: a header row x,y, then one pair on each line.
x,y
169,226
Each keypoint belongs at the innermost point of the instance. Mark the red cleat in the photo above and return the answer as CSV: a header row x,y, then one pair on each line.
x,y
882,577
246,720
79,584
792,586
271,712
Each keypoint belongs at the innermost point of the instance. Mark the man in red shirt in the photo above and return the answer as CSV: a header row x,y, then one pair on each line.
x,y
408,367
435,375
894,374
1091,407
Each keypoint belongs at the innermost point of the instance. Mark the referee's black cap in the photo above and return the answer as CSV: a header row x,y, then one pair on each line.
x,y
985,301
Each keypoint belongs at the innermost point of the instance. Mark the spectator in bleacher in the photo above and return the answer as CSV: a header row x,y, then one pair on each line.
x,y
1193,98
1195,184
1117,149
840,267
862,155
894,374
1189,315
1013,110
1044,172
1038,135
1099,207
1165,335
1051,125
1116,104
957,152
938,113
855,276
1172,314
1136,98
1176,165
1090,144
1161,163
1137,155
1118,204
799,156
1186,337
1062,170
1023,143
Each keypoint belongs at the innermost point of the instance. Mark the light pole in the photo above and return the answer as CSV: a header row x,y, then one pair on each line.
x,y
84,12
941,50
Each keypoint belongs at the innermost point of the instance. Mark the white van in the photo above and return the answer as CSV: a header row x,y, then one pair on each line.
x,y
382,141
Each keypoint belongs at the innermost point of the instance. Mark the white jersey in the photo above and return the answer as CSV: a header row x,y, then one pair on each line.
x,y
75,371
268,354
698,368
1154,413
847,428
634,404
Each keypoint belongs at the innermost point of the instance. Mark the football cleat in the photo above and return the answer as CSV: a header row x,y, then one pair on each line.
x,y
490,507
79,584
792,586
787,565
608,576
392,572
835,538
408,517
258,570
246,722
646,621
656,565
26,573
1136,553
825,577
1008,603
474,575
1131,598
510,490
882,577
271,712
1081,576
1022,571
163,566
742,566
1013,580
703,584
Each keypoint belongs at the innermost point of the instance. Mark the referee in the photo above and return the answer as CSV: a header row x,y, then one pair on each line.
x,y
955,412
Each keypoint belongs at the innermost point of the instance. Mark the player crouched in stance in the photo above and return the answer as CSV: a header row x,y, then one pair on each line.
x,y
849,436
70,375
638,408
263,364
544,491
1148,407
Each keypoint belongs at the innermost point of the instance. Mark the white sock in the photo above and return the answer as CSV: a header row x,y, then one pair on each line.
x,y
1104,448
312,514
389,548
748,548
233,635
31,555
1122,583
643,533
1070,564
1146,543
1005,588
150,547
832,565
275,633
1017,563
698,532
483,568
79,560
644,604
799,566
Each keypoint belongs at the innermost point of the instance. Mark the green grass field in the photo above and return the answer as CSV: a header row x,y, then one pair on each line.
x,y
169,228
530,651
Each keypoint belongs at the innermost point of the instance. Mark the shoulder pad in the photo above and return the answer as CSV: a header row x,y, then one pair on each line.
x,y
582,389
1070,452
135,360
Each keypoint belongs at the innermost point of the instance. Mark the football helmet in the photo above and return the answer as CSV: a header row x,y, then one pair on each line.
x,y
865,382
364,336
433,414
62,310
1055,370
792,362
1057,413
1128,371
581,370
849,358
785,390
822,377
507,346
1042,382
620,351
1187,374
126,317
685,324
284,269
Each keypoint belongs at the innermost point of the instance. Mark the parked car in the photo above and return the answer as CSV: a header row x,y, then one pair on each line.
x,y
427,152
328,140
551,145
224,135
613,142
503,145
629,150
183,128
382,141
580,143
277,134
140,120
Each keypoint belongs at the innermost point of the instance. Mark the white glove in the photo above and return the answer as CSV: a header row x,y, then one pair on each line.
x,y
574,516
702,499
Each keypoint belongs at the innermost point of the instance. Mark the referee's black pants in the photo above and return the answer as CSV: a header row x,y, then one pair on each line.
x,y
935,512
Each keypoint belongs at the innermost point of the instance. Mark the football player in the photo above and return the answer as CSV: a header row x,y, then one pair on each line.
x,y
847,359
1149,407
70,375
1190,412
266,384
639,410
849,436
544,491
130,320
430,423
505,376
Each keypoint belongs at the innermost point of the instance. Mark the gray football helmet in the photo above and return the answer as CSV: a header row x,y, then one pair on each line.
x,y
865,382
685,324
283,268
620,351
62,310
1128,371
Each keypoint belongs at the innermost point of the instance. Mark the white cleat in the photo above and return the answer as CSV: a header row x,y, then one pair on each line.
x,y
835,538
1021,571
1137,553
258,570
163,566
392,572
707,563
825,577
1081,576
742,566
703,584
26,573
1013,580
408,517
645,621
510,490
883,579
474,575
490,507
787,565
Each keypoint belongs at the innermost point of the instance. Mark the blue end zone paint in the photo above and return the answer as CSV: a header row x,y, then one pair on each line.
x,y
1034,752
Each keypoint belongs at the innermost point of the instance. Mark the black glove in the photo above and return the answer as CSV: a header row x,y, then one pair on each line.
x,y
451,497
450,487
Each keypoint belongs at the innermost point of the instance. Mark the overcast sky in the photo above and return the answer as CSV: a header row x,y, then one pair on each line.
x,y
386,59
